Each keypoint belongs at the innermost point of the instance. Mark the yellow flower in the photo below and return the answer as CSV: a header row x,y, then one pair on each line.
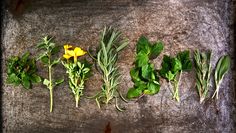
x,y
67,47
73,53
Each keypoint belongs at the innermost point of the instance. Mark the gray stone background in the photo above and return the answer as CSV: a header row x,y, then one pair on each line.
x,y
180,24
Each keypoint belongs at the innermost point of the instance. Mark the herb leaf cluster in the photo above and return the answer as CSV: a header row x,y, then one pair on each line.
x,y
144,75
174,66
22,70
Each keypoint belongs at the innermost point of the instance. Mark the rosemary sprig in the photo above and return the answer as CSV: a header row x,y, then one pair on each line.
x,y
106,59
49,49
203,71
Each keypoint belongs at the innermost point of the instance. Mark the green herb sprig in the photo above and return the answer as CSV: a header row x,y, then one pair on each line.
x,y
144,76
222,68
172,68
106,59
49,49
22,70
203,72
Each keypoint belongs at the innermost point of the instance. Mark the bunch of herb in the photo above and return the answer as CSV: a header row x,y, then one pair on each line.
x,y
22,70
47,57
203,71
222,68
172,68
144,76
106,62
78,71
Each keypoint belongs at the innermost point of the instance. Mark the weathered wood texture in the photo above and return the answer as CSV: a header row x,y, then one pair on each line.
x,y
181,24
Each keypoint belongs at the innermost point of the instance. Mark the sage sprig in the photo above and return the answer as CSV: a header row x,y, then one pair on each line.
x,y
203,72
222,68
106,59
49,49
22,70
78,71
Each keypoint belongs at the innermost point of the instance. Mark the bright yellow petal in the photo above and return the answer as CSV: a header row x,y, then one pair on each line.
x,y
70,52
67,46
67,56
79,52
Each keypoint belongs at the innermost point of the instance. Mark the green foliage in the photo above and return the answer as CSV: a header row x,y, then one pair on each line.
x,y
203,71
22,70
106,59
222,68
174,66
144,76
47,57
78,72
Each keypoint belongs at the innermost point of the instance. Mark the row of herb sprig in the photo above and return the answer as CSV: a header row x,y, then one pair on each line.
x,y
22,70
146,77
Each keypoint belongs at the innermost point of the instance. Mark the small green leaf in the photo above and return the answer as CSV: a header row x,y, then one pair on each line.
x,y
46,82
13,79
25,57
122,46
152,88
55,50
55,62
41,45
156,50
57,82
134,73
45,59
35,78
175,65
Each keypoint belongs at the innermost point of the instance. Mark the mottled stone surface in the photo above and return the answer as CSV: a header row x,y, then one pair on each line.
x,y
180,24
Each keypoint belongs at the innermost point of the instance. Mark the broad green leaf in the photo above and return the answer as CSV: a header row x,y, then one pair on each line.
x,y
147,71
170,76
143,45
184,57
25,81
46,82
222,67
165,66
156,50
141,59
134,92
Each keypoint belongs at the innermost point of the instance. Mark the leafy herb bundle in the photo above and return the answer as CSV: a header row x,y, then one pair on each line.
x,y
203,72
22,70
48,51
106,59
78,71
222,68
174,66
144,76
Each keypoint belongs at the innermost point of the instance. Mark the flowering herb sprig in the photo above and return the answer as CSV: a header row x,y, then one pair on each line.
x,y
78,71
49,49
